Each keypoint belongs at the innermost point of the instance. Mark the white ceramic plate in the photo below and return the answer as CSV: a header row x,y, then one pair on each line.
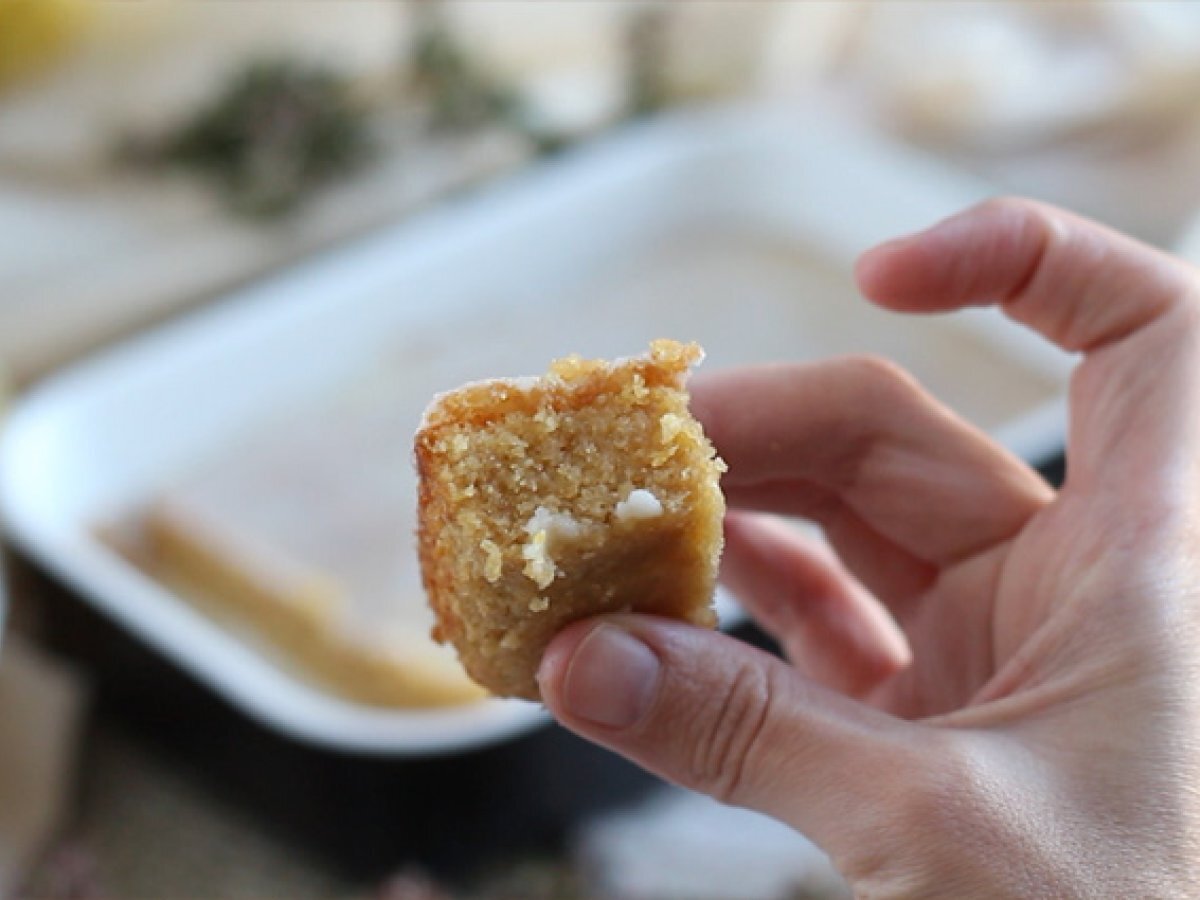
x,y
737,201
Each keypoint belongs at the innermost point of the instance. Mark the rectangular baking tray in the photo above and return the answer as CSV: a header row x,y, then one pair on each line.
x,y
497,282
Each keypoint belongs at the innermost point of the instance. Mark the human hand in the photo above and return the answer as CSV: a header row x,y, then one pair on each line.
x,y
995,687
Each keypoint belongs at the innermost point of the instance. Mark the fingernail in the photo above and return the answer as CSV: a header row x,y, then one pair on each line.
x,y
611,678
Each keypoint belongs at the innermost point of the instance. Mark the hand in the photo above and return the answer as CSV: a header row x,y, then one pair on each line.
x,y
994,688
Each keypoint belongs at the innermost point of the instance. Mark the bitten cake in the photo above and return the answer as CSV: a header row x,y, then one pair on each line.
x,y
546,500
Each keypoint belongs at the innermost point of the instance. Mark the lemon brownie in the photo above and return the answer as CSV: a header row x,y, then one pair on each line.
x,y
542,501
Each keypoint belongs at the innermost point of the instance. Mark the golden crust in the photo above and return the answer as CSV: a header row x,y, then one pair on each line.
x,y
527,513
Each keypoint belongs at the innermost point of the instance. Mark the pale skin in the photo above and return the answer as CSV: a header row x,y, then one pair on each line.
x,y
992,687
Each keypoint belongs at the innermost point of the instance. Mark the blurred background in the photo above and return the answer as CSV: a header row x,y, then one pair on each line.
x,y
156,157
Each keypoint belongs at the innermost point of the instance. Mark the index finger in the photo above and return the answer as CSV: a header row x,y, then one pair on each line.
x,y
1131,309
1078,283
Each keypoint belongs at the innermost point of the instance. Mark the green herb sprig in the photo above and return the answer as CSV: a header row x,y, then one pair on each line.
x,y
278,132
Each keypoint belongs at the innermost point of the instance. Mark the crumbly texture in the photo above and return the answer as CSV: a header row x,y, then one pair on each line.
x,y
588,491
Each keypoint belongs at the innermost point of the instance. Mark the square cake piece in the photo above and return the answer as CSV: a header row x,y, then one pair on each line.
x,y
542,501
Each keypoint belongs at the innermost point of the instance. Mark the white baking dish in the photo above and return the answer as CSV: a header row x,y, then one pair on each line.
x,y
1187,244
104,435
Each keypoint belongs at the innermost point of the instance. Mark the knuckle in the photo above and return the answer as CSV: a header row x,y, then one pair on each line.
x,y
950,800
1005,205
730,741
884,393
921,819
1023,215
886,398
882,377
951,777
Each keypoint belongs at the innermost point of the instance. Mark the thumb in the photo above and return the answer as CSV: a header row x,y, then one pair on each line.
x,y
715,715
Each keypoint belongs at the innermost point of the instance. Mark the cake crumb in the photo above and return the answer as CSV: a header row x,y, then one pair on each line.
x,y
493,564
547,532
539,566
539,604
548,420
510,641
670,426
